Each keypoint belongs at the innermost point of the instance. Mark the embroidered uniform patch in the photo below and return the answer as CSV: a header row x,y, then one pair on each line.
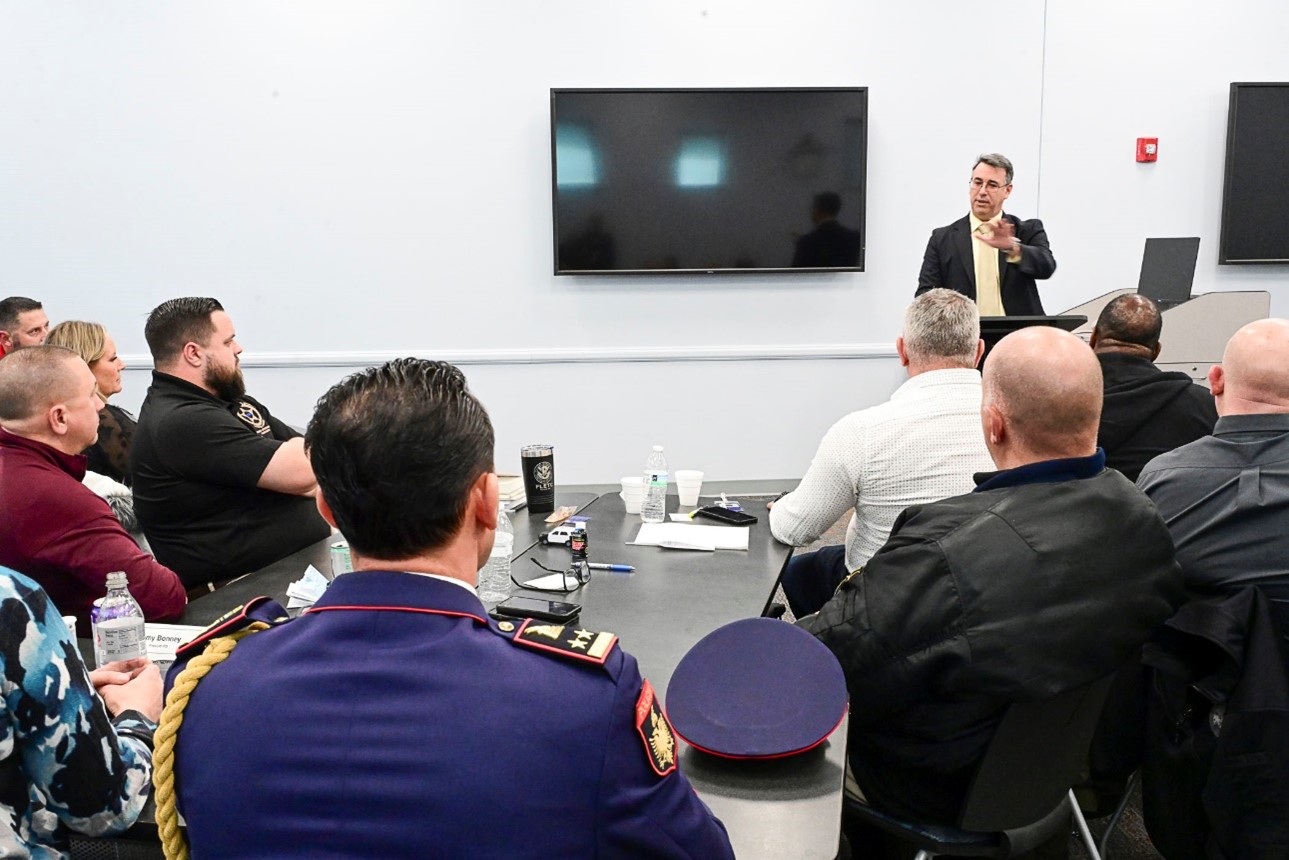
x,y
252,418
655,731
567,640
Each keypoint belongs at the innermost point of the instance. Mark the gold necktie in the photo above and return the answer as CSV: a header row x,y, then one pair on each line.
x,y
989,298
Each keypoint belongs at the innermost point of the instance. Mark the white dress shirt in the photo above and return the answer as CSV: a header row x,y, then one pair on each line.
x,y
922,445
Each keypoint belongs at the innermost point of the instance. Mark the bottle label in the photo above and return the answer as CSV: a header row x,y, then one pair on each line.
x,y
502,545
122,638
657,479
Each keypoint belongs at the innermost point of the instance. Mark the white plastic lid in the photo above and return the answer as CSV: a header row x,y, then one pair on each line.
x,y
658,448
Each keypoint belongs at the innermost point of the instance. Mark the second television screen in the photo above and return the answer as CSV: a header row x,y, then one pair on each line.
x,y
709,180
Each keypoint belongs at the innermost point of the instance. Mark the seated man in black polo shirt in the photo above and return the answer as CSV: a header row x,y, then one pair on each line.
x,y
221,487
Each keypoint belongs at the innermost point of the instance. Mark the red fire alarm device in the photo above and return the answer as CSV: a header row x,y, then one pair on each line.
x,y
1147,149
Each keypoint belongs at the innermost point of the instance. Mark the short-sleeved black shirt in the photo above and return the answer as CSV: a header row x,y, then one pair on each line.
x,y
196,460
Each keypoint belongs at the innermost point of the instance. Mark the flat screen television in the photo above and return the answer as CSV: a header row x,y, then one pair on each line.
x,y
708,181
1255,197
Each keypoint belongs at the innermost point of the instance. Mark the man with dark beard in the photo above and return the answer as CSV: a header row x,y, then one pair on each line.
x,y
221,487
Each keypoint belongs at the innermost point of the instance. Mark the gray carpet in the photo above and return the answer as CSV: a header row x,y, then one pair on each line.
x,y
1128,842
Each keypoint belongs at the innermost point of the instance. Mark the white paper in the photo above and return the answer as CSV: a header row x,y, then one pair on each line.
x,y
687,535
554,580
308,588
164,639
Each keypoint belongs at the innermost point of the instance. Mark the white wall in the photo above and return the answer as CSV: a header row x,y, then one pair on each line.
x,y
1117,71
356,180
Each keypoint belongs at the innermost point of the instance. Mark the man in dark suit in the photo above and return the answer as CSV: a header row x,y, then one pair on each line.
x,y
829,244
1001,252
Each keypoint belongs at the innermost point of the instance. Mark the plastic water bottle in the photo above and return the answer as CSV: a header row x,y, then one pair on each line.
x,y
494,579
653,507
118,632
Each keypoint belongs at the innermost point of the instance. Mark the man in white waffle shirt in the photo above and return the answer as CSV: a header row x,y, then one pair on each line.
x,y
922,445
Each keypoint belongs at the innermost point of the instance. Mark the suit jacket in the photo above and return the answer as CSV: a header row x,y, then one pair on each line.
x,y
949,263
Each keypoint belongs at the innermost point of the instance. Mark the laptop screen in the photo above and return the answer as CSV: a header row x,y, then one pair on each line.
x,y
1168,269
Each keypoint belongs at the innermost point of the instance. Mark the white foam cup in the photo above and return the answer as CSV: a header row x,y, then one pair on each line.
x,y
689,482
632,493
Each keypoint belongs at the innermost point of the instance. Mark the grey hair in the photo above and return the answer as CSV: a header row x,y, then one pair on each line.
x,y
942,325
995,159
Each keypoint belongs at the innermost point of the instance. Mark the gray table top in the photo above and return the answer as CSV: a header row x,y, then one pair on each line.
x,y
674,597
781,808
272,580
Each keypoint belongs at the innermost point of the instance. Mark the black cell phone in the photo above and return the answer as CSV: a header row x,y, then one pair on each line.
x,y
544,610
725,515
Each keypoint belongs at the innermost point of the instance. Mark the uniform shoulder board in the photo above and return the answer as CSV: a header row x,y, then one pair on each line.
x,y
257,609
568,640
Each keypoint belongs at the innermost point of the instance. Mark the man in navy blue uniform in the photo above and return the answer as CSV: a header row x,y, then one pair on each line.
x,y
395,718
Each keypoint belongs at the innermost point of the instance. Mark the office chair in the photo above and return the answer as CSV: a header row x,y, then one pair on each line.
x,y
1020,795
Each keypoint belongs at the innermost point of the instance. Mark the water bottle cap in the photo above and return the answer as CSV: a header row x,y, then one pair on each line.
x,y
658,448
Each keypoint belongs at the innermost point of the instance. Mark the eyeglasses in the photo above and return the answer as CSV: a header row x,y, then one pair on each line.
x,y
573,579
977,182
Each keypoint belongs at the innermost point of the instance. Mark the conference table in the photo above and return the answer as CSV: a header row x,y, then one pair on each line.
x,y
775,808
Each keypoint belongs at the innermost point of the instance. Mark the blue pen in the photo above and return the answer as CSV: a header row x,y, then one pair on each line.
x,y
616,568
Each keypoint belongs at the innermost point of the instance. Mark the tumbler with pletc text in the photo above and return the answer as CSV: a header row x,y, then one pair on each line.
x,y
538,465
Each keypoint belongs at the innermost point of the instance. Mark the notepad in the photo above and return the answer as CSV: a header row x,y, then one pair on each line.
x,y
688,534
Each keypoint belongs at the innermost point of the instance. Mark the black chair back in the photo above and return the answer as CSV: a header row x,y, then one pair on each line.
x,y
1036,754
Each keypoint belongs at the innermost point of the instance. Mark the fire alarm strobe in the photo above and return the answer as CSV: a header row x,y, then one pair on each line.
x,y
1147,149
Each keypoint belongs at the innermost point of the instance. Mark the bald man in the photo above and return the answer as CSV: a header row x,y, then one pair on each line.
x,y
1048,576
1225,497
56,530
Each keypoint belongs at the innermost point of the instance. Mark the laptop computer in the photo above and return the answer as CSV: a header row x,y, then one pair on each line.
x,y
1168,270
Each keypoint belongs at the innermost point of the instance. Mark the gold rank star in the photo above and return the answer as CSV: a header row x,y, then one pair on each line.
x,y
582,638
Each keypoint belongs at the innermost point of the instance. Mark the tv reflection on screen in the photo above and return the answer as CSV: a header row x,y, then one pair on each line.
x,y
737,180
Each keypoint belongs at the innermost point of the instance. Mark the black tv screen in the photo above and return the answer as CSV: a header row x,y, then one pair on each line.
x,y
708,181
1255,198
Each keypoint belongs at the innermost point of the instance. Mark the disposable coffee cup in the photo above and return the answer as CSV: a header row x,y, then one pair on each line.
x,y
689,482
632,493
537,462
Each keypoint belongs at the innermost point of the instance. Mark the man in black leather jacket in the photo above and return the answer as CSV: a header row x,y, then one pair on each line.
x,y
1046,577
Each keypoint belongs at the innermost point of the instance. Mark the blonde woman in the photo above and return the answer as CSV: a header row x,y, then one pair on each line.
x,y
109,456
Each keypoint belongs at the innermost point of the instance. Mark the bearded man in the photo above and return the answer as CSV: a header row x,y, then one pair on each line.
x,y
221,487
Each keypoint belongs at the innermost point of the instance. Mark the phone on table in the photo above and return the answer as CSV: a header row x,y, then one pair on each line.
x,y
543,610
725,515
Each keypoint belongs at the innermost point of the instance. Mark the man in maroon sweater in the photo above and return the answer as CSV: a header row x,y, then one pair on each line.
x,y
52,527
